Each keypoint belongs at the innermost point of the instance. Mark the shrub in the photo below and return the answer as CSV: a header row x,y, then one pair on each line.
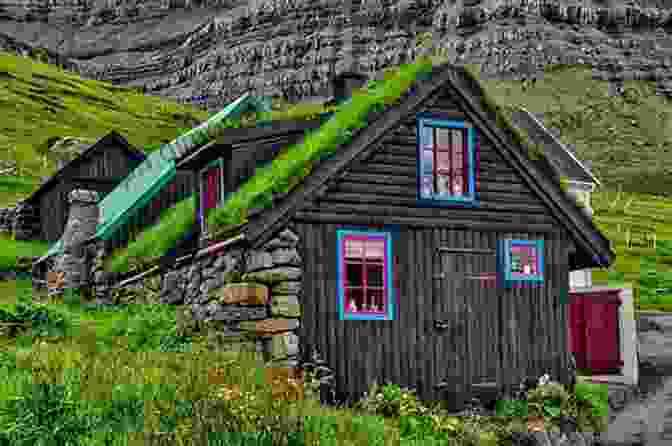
x,y
391,400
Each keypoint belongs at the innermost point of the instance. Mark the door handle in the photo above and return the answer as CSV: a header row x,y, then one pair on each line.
x,y
441,325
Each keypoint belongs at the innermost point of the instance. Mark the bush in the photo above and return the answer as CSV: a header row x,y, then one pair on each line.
x,y
391,400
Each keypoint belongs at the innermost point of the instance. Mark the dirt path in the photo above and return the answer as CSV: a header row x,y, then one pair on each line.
x,y
648,420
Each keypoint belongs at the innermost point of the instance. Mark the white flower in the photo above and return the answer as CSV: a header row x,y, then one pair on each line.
x,y
544,380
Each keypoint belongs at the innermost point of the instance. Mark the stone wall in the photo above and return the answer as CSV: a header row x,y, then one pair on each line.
x,y
247,299
26,223
7,216
75,263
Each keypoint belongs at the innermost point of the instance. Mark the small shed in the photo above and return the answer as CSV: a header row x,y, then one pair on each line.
x,y
101,167
429,251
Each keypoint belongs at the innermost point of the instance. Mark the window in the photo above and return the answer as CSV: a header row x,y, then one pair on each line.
x,y
446,154
212,189
365,275
521,260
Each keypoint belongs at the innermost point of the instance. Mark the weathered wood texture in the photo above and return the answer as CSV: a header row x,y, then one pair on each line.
x,y
491,334
102,170
178,189
384,186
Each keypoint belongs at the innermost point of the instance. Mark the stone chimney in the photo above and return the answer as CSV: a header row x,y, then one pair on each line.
x,y
74,265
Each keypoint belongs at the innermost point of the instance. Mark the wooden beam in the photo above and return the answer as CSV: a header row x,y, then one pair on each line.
x,y
324,217
466,250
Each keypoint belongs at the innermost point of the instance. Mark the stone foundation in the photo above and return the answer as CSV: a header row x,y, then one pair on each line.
x,y
245,299
26,222
75,262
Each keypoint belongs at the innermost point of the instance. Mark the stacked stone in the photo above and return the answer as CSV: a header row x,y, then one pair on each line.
x,y
26,224
75,261
258,313
7,220
664,88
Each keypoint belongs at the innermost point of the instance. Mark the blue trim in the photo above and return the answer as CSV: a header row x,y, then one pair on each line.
x,y
389,275
504,261
434,120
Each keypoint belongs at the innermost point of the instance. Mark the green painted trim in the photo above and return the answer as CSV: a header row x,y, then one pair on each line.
x,y
107,230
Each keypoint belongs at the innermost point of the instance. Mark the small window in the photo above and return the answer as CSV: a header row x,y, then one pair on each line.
x,y
212,189
446,167
364,275
521,260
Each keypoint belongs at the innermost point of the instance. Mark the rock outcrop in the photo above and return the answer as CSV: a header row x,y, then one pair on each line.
x,y
219,48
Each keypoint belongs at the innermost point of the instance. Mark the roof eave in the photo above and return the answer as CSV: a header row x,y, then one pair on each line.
x,y
564,147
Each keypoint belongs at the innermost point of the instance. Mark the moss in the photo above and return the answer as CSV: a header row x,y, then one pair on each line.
x,y
265,278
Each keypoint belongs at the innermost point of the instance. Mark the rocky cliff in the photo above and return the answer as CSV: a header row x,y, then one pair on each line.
x,y
219,48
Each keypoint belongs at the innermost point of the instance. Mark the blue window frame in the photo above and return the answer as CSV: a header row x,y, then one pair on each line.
x,y
521,261
365,277
446,167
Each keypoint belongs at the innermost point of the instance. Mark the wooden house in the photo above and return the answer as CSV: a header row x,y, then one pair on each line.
x,y
101,167
434,253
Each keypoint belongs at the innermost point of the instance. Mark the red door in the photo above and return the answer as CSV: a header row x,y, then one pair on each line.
x,y
594,330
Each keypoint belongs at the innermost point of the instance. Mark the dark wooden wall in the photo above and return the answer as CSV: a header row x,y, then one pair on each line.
x,y
493,335
101,171
525,334
175,191
385,186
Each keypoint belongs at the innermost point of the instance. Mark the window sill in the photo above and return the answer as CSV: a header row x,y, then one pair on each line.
x,y
466,201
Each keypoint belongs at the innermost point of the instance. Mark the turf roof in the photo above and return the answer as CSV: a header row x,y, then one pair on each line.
x,y
294,164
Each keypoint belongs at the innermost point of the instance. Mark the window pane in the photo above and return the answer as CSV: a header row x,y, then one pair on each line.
x,y
375,249
427,162
374,275
354,300
443,160
374,300
427,137
354,274
458,144
523,260
427,186
354,249
443,184
442,138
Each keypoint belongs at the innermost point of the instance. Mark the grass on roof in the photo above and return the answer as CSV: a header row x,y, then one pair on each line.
x,y
283,173
174,224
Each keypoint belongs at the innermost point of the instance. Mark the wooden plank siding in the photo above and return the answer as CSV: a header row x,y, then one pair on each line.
x,y
492,334
101,171
484,341
178,189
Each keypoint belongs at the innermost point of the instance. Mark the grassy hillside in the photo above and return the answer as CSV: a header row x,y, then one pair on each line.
x,y
43,101
628,138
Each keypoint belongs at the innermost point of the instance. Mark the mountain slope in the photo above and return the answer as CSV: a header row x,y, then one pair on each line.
x,y
42,102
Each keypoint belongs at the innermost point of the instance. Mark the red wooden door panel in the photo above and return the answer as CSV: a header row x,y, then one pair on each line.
x,y
594,330
577,330
603,347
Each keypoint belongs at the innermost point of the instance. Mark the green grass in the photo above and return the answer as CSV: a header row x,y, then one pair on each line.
x,y
10,250
14,189
44,101
153,242
628,139
109,376
283,173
